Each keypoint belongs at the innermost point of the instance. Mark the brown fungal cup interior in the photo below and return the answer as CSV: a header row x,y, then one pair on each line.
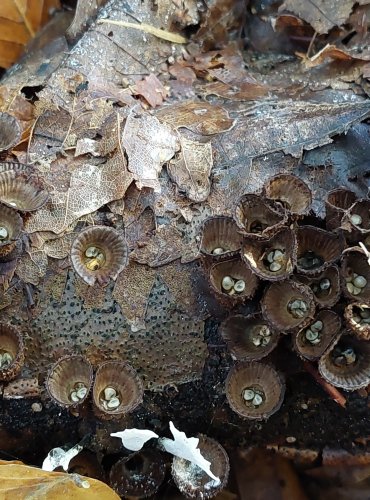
x,y
122,381
290,191
10,131
66,376
347,363
317,249
325,286
20,192
248,337
239,274
357,317
220,236
358,216
313,340
257,216
337,203
254,390
272,258
11,351
192,481
99,253
10,225
287,305
355,272
138,475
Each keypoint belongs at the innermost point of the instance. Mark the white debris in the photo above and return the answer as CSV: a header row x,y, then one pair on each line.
x,y
187,448
57,457
134,439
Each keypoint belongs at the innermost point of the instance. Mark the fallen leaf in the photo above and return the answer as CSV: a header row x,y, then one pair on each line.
x,y
200,117
152,90
32,266
334,53
321,14
18,482
19,22
239,92
91,186
85,11
192,170
149,144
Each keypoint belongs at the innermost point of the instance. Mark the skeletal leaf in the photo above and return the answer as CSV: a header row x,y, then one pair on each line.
x,y
200,117
192,170
164,247
32,267
91,186
149,144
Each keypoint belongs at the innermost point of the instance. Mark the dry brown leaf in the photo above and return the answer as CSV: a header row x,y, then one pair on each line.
x,y
335,53
91,186
200,117
19,22
152,90
192,170
321,14
59,248
239,92
164,247
149,144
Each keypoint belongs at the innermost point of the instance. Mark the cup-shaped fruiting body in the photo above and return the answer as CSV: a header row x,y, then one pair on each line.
x,y
317,249
232,280
355,272
117,390
258,217
220,237
347,363
20,192
86,463
248,337
192,481
254,390
274,258
11,225
290,191
325,286
314,339
356,221
139,475
287,305
357,316
69,380
11,352
338,201
10,131
99,253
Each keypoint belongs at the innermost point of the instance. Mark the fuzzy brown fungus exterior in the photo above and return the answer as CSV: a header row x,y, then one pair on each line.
x,y
347,363
139,475
290,191
69,380
11,352
117,390
337,203
98,254
313,340
192,481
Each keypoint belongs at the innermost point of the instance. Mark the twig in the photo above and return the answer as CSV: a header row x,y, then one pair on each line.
x,y
331,390
311,44
147,28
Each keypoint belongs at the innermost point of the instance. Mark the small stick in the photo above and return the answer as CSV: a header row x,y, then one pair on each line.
x,y
331,390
